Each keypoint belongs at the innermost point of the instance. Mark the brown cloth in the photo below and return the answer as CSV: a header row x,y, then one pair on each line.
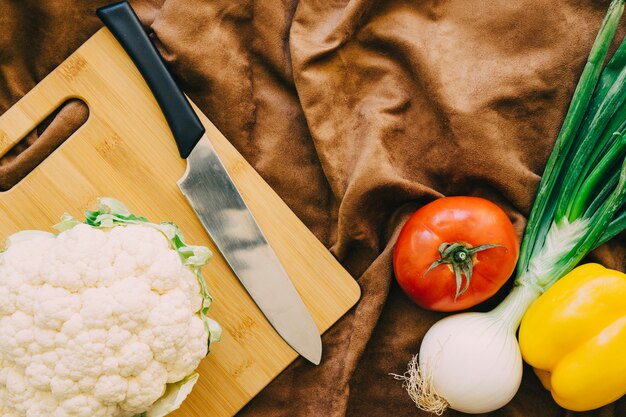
x,y
356,113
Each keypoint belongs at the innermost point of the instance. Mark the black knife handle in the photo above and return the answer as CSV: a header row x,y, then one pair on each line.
x,y
124,24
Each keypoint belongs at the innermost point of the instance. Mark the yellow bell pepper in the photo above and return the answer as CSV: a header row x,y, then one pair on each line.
x,y
574,335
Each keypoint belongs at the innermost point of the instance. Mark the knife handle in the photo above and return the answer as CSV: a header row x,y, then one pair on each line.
x,y
124,24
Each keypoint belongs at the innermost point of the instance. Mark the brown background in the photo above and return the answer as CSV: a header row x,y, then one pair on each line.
x,y
356,113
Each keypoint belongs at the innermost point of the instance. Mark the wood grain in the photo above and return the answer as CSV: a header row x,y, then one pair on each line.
x,y
125,150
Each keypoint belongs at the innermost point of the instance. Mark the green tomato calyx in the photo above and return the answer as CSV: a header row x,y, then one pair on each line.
x,y
460,257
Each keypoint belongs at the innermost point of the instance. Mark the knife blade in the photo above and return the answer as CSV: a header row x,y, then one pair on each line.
x,y
214,197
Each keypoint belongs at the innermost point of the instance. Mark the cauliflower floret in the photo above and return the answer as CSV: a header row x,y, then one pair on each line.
x,y
54,306
80,243
95,312
44,405
111,389
165,273
167,326
39,375
132,300
9,298
10,348
83,405
24,297
189,284
133,358
19,392
145,388
26,259
95,323
189,353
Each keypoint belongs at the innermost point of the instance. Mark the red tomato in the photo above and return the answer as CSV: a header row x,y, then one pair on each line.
x,y
455,233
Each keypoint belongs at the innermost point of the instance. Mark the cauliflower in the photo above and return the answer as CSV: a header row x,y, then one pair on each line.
x,y
105,319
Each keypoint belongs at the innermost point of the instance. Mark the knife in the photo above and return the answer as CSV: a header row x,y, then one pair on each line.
x,y
213,196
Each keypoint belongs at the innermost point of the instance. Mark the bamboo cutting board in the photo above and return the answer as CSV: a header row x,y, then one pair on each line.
x,y
125,150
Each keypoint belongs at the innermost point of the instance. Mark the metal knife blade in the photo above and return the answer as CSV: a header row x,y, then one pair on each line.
x,y
214,197
226,217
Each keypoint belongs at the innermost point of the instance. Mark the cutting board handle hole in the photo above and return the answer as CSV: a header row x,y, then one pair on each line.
x,y
61,123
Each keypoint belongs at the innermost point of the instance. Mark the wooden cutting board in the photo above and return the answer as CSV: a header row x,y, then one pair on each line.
x,y
125,150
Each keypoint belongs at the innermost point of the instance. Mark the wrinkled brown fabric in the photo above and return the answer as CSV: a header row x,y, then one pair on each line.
x,y
356,113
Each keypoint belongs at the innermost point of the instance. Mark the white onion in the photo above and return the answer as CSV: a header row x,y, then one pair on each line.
x,y
471,362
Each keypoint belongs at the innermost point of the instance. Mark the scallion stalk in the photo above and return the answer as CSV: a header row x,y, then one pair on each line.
x,y
545,201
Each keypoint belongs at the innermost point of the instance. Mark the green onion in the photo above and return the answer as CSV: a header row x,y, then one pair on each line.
x,y
589,188
554,176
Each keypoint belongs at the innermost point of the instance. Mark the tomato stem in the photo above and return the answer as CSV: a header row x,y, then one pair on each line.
x,y
460,256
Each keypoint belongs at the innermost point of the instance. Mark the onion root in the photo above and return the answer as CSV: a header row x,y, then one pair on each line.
x,y
419,385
